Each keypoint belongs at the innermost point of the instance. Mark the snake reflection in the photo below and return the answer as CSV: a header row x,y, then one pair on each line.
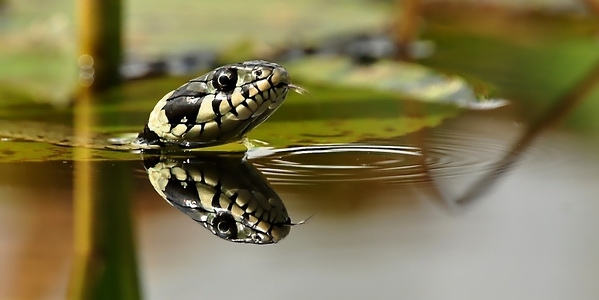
x,y
222,192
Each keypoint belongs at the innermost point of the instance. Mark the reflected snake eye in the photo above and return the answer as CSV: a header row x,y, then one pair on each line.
x,y
225,79
256,238
225,226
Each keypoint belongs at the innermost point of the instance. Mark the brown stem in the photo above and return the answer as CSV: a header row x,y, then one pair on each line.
x,y
593,6
406,27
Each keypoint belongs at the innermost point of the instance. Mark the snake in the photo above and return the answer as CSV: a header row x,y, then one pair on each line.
x,y
226,195
216,108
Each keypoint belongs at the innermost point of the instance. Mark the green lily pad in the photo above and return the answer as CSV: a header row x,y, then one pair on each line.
x,y
329,113
325,115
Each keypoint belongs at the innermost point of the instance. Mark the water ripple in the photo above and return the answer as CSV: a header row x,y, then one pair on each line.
x,y
446,154
451,153
338,162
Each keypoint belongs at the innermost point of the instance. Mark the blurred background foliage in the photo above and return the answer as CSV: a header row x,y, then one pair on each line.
x,y
527,51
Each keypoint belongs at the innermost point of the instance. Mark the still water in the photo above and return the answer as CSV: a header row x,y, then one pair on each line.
x,y
381,220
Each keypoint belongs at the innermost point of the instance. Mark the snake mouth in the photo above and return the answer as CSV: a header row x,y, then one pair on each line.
x,y
282,85
296,88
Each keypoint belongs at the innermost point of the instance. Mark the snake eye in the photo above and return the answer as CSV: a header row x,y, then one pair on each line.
x,y
225,226
258,73
225,79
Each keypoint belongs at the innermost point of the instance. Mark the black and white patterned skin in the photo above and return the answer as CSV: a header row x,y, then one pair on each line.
x,y
224,193
219,107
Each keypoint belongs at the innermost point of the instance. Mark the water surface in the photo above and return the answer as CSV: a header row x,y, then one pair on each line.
x,y
382,223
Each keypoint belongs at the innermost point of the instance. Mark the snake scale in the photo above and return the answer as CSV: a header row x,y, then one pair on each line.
x,y
218,107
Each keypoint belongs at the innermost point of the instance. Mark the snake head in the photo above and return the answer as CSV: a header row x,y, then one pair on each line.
x,y
219,107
